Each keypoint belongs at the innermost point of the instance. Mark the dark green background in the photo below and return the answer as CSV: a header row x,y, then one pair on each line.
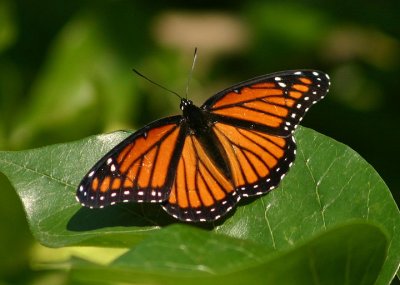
x,y
65,73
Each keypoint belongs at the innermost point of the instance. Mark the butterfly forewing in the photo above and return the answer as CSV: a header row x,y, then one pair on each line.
x,y
274,103
138,169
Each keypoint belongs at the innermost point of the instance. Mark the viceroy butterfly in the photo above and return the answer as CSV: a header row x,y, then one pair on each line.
x,y
198,165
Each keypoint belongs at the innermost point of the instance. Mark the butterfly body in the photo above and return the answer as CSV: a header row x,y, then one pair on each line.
x,y
199,123
198,165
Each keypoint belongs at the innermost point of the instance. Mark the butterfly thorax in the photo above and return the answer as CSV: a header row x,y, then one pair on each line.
x,y
197,120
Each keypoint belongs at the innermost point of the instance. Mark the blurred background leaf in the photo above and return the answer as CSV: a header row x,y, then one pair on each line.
x,y
65,73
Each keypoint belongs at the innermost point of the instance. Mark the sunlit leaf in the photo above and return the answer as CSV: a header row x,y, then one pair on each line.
x,y
351,254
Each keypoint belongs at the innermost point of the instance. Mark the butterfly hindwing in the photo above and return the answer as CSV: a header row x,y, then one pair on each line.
x,y
201,191
273,103
258,161
138,169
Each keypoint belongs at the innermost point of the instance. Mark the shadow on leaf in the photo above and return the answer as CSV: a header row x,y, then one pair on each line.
x,y
132,215
129,215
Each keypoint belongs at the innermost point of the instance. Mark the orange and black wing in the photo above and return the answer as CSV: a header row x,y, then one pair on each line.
x,y
201,190
140,168
258,161
254,122
273,103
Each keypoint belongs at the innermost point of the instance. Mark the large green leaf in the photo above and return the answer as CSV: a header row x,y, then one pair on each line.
x,y
350,254
328,185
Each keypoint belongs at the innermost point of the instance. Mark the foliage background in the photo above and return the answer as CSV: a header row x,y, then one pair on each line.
x,y
65,73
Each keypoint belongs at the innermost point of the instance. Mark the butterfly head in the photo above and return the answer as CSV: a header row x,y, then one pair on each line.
x,y
185,103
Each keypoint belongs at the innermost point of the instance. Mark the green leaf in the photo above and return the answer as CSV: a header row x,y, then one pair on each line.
x,y
350,254
15,239
328,185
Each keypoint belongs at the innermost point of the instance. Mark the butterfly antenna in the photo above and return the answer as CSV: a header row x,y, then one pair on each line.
x,y
191,71
159,85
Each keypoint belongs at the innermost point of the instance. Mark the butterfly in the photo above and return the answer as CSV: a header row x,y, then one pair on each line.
x,y
199,165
